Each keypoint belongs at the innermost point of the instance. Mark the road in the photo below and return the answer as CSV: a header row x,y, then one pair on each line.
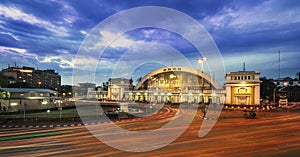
x,y
272,134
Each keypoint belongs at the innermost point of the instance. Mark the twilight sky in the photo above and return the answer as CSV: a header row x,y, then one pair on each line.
x,y
48,35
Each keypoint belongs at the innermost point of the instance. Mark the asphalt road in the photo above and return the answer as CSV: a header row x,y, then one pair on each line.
x,y
271,134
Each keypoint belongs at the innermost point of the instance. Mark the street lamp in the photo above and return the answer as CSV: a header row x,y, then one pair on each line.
x,y
24,111
201,61
48,112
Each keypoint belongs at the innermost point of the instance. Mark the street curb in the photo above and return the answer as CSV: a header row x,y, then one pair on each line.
x,y
41,125
71,124
54,125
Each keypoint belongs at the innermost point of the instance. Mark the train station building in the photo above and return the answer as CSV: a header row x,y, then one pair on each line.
x,y
174,84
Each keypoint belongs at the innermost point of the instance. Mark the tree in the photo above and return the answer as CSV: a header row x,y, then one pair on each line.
x,y
267,88
3,81
106,84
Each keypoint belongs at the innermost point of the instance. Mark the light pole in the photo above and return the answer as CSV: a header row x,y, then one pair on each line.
x,y
59,108
24,111
201,61
48,112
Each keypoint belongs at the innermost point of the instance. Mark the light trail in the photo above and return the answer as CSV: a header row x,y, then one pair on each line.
x,y
275,134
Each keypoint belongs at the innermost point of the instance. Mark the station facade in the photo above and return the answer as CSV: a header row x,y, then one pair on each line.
x,y
174,84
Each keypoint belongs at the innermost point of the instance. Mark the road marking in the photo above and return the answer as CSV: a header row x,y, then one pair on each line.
x,y
33,135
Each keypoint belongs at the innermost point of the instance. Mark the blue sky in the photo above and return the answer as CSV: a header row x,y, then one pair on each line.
x,y
48,34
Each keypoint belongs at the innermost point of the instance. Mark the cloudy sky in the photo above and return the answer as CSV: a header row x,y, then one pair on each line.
x,y
48,35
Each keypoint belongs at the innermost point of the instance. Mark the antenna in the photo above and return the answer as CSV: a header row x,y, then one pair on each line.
x,y
278,64
244,66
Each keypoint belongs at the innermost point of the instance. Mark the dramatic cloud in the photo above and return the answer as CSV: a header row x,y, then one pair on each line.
x,y
18,15
12,49
48,34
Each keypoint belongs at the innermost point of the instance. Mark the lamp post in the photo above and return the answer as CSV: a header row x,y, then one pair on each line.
x,y
60,108
24,111
48,112
201,61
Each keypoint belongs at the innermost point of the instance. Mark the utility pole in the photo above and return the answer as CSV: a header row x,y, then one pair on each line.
x,y
274,90
278,65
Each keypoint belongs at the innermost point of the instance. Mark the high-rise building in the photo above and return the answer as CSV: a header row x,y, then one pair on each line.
x,y
33,78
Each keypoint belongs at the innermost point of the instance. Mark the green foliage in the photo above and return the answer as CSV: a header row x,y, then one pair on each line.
x,y
267,88
3,81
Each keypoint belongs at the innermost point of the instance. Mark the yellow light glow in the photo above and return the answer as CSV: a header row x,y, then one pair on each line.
x,y
26,71
201,60
172,76
13,104
44,102
242,84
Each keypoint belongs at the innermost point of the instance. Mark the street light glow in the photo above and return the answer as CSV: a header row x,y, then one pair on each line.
x,y
201,61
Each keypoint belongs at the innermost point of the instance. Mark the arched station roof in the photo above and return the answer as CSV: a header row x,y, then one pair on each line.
x,y
197,72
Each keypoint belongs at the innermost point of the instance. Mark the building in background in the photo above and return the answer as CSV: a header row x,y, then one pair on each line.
x,y
243,88
288,89
98,93
80,91
117,88
65,91
18,99
287,81
32,78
